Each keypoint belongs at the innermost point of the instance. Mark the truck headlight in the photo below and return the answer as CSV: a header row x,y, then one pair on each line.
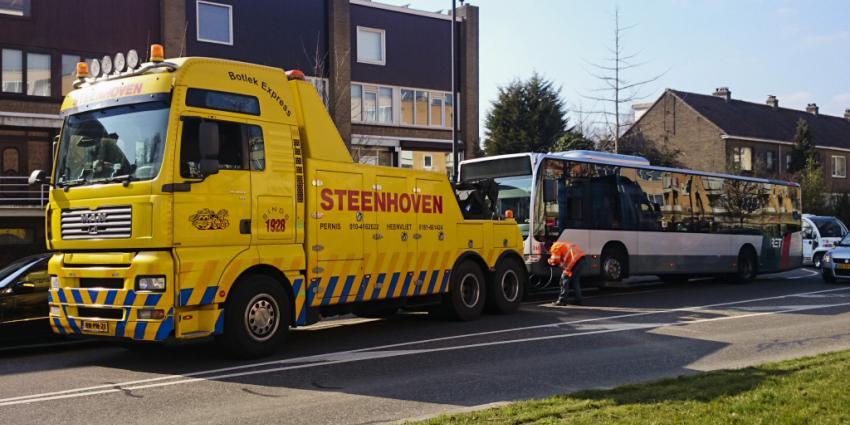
x,y
150,283
54,282
54,310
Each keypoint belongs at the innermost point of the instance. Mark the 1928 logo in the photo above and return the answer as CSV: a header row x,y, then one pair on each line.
x,y
207,219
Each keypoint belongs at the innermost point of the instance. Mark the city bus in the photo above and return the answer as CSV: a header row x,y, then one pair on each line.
x,y
632,218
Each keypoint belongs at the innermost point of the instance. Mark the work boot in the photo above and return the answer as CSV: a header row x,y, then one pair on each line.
x,y
561,302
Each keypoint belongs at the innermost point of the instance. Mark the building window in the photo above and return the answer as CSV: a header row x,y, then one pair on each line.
x,y
38,74
69,72
428,162
356,102
385,105
407,107
370,104
437,109
215,22
13,71
421,108
15,7
839,166
770,161
742,158
406,159
787,161
371,46
11,162
450,111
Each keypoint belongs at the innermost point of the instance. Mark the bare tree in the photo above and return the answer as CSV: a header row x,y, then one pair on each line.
x,y
616,89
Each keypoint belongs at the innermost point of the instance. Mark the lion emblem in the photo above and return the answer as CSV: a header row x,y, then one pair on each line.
x,y
207,219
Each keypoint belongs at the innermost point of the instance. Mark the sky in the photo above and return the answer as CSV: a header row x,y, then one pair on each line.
x,y
798,51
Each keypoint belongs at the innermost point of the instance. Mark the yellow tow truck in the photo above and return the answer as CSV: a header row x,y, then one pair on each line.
x,y
199,197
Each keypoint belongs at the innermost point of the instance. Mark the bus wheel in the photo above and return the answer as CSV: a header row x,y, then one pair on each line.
x,y
613,264
467,294
256,317
505,291
746,266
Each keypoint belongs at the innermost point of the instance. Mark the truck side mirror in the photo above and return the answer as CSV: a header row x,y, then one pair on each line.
x,y
39,177
208,147
550,190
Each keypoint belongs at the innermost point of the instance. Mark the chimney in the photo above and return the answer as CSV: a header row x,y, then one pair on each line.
x,y
723,92
847,113
812,108
772,101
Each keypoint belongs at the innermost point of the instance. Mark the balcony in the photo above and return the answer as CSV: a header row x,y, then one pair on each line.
x,y
18,198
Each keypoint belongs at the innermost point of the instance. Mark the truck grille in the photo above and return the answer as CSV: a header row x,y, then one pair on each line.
x,y
103,223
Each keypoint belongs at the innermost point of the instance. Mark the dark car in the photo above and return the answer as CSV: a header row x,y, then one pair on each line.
x,y
23,299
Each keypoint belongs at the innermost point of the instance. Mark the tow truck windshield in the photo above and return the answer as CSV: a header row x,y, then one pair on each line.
x,y
118,144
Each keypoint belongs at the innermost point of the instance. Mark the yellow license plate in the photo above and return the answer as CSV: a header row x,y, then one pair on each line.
x,y
842,266
89,326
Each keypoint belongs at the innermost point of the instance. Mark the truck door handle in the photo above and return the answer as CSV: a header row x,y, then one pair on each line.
x,y
245,226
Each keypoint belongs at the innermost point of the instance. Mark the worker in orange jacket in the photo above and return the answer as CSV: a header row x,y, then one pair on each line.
x,y
571,259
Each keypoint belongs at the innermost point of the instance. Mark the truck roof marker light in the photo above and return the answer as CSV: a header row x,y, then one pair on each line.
x,y
295,74
95,68
83,70
509,213
132,59
157,53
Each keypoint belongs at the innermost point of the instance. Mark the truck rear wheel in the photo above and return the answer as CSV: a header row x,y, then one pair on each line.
x,y
505,291
256,317
467,293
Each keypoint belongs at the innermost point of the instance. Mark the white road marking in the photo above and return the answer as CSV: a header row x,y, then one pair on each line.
x,y
340,357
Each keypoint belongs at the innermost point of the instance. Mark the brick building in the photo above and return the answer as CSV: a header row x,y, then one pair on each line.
x,y
721,134
384,71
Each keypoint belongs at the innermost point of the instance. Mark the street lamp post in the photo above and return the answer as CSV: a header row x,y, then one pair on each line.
x,y
455,90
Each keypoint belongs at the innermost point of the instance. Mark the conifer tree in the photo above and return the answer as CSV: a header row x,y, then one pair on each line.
x,y
803,149
527,117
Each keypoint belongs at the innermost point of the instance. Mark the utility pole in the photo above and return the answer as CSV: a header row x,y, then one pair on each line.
x,y
455,90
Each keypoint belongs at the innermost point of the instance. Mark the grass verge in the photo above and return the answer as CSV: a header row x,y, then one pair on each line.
x,y
811,390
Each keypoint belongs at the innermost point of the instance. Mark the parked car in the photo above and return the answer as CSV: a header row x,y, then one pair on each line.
x,y
23,299
836,262
820,234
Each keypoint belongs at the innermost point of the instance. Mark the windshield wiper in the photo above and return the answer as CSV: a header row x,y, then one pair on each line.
x,y
68,183
124,178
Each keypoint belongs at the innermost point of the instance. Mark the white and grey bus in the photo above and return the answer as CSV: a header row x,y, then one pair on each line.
x,y
632,218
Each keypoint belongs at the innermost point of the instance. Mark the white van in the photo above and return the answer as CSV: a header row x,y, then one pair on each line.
x,y
820,234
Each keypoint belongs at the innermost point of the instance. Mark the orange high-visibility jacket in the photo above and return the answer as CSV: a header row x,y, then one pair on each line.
x,y
566,254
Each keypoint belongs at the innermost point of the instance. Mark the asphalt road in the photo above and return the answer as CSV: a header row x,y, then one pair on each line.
x,y
372,371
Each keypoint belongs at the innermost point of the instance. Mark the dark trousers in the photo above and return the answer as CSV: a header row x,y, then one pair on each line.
x,y
573,283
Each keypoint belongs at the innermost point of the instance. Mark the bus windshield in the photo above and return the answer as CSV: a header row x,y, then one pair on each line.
x,y
513,175
113,144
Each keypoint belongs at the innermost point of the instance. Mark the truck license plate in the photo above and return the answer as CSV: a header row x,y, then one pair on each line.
x,y
95,327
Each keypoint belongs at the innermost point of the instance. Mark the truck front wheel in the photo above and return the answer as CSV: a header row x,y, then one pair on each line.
x,y
256,317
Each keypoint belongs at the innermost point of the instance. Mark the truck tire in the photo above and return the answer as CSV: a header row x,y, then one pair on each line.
x,y
256,317
467,293
505,290
747,266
